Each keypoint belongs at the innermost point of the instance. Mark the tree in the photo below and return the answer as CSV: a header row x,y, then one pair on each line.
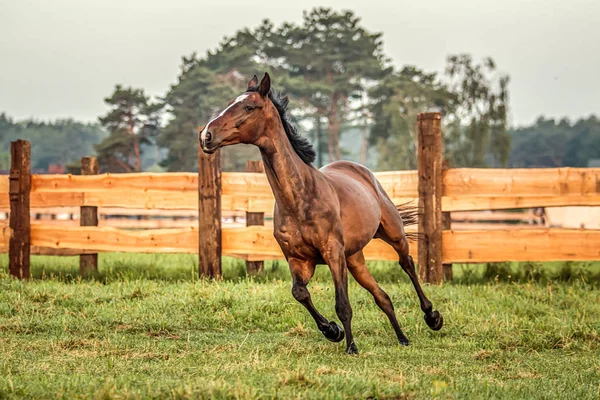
x,y
324,63
396,102
133,121
328,61
473,106
551,143
584,146
57,142
476,133
204,86
4,161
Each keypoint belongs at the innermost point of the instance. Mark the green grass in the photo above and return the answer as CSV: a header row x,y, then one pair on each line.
x,y
147,327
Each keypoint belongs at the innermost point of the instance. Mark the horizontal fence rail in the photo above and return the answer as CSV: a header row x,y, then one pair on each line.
x,y
257,243
464,189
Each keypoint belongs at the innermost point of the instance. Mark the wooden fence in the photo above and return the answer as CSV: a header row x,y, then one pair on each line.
x,y
189,195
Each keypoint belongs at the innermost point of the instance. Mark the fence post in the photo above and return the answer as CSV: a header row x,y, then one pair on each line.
x,y
446,225
209,214
20,225
88,263
255,218
430,196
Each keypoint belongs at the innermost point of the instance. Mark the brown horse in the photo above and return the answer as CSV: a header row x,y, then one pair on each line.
x,y
324,216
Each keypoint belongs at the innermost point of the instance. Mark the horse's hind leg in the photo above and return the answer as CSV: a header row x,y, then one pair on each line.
x,y
358,268
301,272
391,231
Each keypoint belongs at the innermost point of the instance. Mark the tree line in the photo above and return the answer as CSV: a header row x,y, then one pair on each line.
x,y
346,96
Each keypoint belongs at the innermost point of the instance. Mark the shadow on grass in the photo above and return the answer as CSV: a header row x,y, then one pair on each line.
x,y
116,267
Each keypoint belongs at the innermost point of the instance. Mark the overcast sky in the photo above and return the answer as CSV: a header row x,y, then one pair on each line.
x,y
60,58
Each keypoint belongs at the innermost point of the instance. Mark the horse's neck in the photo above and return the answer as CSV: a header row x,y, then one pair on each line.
x,y
287,174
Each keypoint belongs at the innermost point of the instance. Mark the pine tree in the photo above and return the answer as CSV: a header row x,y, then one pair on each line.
x,y
132,121
473,102
328,60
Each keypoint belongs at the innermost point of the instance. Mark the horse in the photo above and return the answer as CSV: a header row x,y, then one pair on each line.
x,y
321,216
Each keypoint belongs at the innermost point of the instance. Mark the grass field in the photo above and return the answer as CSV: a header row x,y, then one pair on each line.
x,y
147,327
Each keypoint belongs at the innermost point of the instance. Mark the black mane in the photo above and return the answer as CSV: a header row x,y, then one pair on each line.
x,y
300,144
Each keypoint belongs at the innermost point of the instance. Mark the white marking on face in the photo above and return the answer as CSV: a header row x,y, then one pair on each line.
x,y
236,101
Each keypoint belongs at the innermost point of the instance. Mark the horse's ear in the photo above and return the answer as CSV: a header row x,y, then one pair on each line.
x,y
253,82
265,85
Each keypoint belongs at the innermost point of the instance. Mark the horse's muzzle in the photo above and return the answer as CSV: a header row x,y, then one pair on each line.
x,y
207,149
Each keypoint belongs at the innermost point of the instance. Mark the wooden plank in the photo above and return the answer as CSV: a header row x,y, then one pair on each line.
x,y
20,227
136,182
461,181
257,243
522,182
522,245
103,239
88,263
255,219
430,196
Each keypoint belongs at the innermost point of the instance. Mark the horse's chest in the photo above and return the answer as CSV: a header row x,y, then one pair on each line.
x,y
295,241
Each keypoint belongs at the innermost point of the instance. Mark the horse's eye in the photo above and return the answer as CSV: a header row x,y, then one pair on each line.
x,y
249,108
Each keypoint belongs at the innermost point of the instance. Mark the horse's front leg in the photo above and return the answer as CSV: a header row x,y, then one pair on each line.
x,y
302,271
335,258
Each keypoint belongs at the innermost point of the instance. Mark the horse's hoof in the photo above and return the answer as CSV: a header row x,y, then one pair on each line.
x,y
403,341
352,350
334,332
434,320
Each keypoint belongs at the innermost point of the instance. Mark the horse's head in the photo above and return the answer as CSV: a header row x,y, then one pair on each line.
x,y
243,121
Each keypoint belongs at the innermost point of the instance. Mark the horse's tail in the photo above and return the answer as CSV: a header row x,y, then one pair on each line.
x,y
410,216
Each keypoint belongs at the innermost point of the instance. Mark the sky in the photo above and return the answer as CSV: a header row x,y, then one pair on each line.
x,y
61,58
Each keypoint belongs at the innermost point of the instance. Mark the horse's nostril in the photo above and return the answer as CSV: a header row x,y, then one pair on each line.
x,y
208,137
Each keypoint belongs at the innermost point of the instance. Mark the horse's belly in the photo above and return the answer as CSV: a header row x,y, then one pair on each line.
x,y
358,231
361,216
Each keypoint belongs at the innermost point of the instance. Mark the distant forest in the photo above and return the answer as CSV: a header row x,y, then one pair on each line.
x,y
346,97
